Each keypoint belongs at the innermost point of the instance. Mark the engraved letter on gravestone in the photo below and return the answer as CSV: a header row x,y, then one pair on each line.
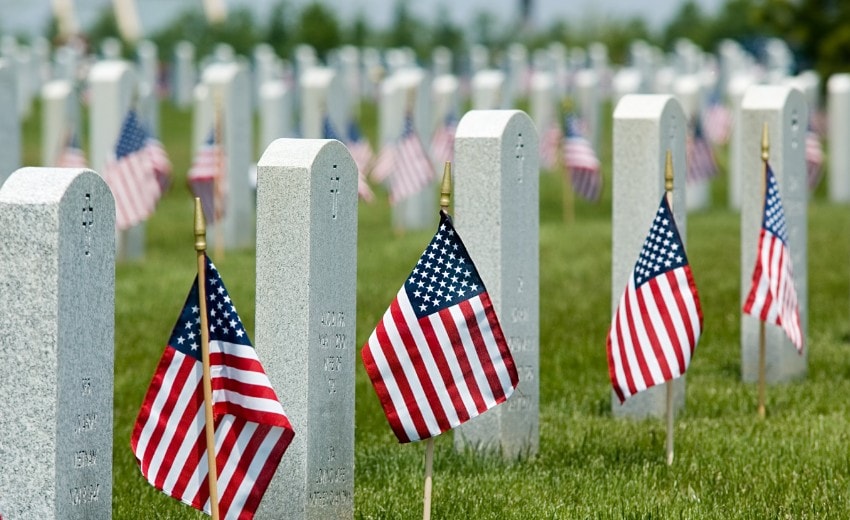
x,y
57,284
307,251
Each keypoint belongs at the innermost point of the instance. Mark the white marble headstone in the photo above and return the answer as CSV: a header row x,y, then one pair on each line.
x,y
307,251
496,196
838,114
786,114
646,126
57,344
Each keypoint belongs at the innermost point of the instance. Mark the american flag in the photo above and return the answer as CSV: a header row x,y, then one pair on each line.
x,y
717,122
360,151
581,161
772,297
412,168
384,164
206,178
814,160
443,140
550,146
438,356
130,175
700,157
251,429
658,320
72,155
160,162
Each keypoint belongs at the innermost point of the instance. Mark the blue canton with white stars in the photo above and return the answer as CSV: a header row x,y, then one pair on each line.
x,y
663,250
224,321
774,215
133,136
444,275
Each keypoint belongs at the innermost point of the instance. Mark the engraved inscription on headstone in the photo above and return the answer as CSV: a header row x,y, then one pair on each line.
x,y
307,249
57,284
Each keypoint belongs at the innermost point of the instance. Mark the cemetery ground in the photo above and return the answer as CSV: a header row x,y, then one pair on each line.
x,y
728,464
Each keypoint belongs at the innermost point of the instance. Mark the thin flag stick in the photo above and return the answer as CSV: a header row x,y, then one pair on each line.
x,y
670,413
762,397
200,247
445,201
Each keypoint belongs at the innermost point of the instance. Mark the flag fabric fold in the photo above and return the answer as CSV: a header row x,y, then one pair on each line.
x,y
251,429
206,178
772,297
700,157
130,175
438,356
550,146
160,162
581,161
658,320
443,141
404,164
814,159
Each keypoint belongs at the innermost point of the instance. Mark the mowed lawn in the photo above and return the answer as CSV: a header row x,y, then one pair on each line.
x,y
728,463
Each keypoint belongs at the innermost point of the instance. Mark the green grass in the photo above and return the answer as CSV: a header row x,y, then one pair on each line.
x,y
590,465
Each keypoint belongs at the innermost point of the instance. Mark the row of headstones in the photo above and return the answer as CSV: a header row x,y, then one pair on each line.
x,y
57,255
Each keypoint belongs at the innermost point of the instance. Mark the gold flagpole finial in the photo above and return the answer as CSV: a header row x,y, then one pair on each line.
x,y
446,187
200,227
668,172
765,143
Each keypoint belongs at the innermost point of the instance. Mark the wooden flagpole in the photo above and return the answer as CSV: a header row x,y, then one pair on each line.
x,y
445,201
670,413
200,248
762,397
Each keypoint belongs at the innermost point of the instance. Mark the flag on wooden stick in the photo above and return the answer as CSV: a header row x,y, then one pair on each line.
x,y
443,141
130,176
251,429
581,160
438,356
772,297
658,320
700,156
206,178
814,159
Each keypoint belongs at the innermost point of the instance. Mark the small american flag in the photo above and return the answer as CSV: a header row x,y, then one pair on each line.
x,y
72,155
130,175
412,170
814,160
772,297
550,146
658,320
360,151
581,161
717,122
443,140
384,164
438,356
700,157
251,429
160,162
206,178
